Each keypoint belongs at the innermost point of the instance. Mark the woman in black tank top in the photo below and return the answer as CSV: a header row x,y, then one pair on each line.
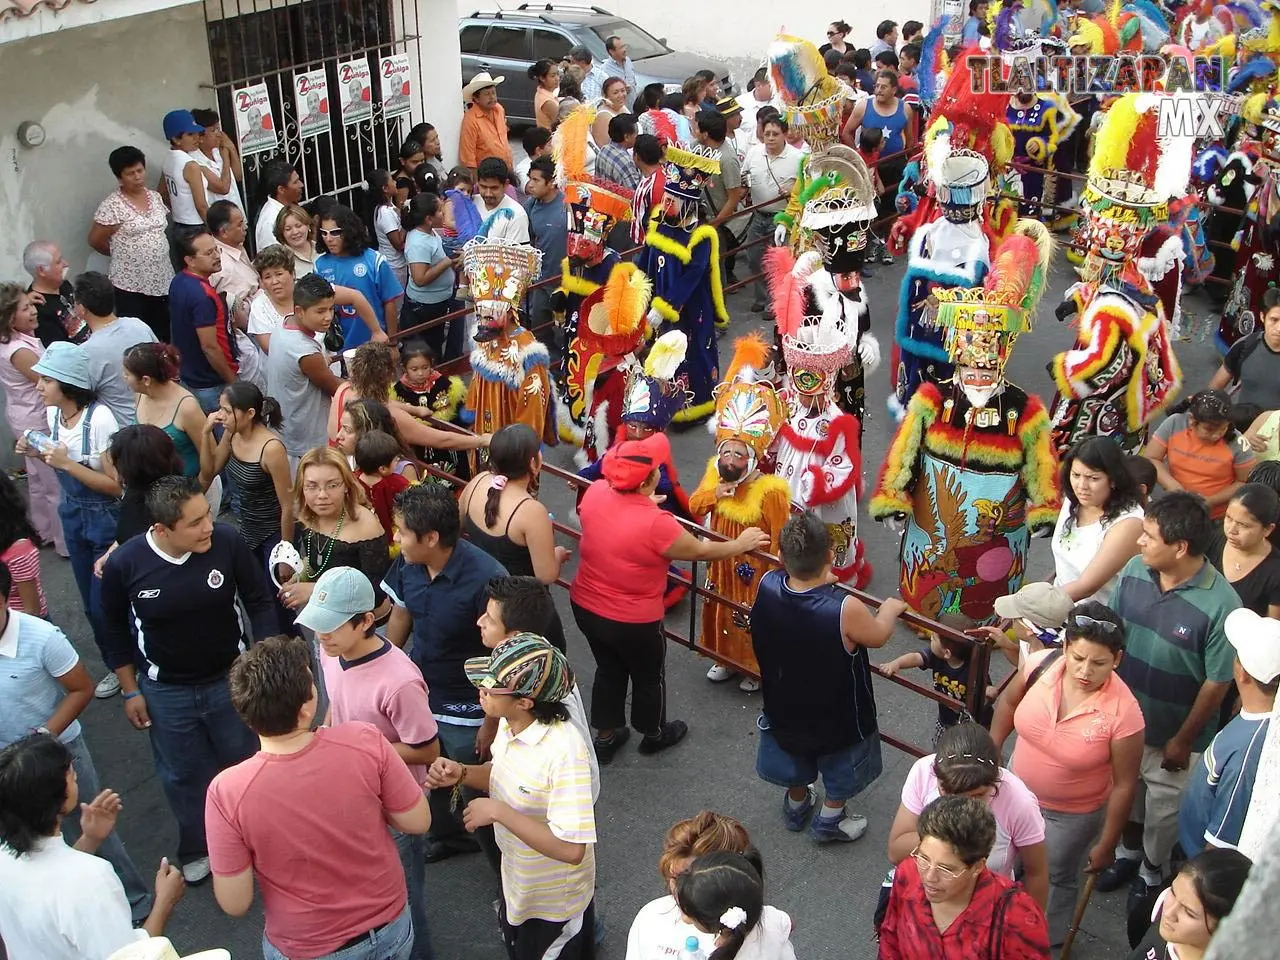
x,y
501,515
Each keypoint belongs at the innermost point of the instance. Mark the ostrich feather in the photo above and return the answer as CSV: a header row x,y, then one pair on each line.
x,y
750,356
626,297
1039,234
1257,69
930,56
796,68
666,355
569,144
785,289
1011,270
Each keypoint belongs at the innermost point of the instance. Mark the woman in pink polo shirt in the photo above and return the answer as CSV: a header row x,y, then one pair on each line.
x,y
628,541
1079,748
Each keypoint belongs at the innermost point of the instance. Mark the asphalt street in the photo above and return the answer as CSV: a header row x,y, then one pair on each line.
x,y
828,891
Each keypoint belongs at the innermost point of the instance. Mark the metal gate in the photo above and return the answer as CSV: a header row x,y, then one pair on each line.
x,y
271,40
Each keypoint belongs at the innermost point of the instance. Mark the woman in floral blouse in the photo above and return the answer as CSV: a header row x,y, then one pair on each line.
x,y
129,226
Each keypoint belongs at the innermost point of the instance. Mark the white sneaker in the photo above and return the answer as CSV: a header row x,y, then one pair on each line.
x,y
107,687
718,673
748,685
197,871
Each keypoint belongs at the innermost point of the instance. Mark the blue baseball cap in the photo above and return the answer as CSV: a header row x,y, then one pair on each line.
x,y
65,362
339,595
178,122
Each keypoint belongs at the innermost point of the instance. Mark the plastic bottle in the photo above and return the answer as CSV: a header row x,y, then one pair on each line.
x,y
692,950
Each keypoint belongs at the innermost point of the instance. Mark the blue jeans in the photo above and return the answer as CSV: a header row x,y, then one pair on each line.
x,y
392,942
89,528
412,848
112,849
458,742
195,733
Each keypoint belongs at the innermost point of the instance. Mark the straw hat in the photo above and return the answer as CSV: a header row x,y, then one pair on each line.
x,y
478,83
159,948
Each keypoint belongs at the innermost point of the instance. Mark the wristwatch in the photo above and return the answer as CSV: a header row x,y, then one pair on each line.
x,y
44,730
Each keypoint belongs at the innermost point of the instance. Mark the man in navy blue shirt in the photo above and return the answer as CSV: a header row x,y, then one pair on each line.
x,y
200,324
1217,795
172,630
439,588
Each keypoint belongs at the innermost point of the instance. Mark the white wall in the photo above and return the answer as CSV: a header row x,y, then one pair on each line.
x,y
739,31
437,72
93,89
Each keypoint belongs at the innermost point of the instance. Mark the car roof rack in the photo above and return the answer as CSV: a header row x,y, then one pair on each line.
x,y
552,7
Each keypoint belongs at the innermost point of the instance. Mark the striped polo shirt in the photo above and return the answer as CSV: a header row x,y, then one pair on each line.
x,y
544,773
1174,642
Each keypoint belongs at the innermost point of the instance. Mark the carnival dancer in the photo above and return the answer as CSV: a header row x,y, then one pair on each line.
x,y
734,495
819,449
682,258
968,147
594,207
1256,244
652,396
610,329
510,382
1041,124
970,473
1122,370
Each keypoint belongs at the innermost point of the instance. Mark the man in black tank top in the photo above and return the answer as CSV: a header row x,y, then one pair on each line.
x,y
819,717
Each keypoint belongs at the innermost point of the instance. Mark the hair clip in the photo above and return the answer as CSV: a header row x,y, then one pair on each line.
x,y
967,756
733,918
498,482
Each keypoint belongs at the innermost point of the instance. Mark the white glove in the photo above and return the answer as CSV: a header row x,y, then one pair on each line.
x,y
779,235
1041,532
654,317
869,352
897,524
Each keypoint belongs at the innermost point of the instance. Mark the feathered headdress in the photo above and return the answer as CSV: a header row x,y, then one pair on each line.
x,y
747,408
982,323
931,62
581,189
653,395
968,120
811,98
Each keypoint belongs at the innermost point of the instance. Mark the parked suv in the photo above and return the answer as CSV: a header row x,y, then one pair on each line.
x,y
507,42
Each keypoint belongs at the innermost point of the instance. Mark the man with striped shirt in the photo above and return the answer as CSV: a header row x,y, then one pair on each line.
x,y
540,802
1178,663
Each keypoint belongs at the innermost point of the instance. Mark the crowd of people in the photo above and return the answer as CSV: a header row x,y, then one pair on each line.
x,y
364,627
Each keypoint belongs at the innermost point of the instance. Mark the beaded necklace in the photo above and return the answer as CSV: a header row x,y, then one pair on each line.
x,y
308,574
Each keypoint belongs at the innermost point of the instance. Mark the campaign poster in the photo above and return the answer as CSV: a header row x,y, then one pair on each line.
x,y
255,126
311,99
355,91
393,79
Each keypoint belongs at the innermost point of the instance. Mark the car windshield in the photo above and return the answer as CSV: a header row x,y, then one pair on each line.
x,y
640,46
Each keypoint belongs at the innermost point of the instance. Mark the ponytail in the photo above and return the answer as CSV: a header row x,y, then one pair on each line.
x,y
271,414
159,361
722,894
497,483
243,395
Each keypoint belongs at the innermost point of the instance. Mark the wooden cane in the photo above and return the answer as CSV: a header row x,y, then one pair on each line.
x,y
1081,906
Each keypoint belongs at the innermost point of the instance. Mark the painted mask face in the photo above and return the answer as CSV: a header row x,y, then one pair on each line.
x,y
843,248
588,230
808,383
979,385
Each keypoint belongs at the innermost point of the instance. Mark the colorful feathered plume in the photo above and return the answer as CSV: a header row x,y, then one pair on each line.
x,y
796,68
1011,269
569,145
666,355
1127,140
1040,236
976,120
626,297
750,355
931,62
1257,70
1048,10
1153,23
786,290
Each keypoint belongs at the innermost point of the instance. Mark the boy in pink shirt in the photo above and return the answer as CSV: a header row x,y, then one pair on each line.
x,y
320,798
372,680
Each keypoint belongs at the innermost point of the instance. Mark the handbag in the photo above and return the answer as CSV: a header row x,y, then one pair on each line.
x,y
995,934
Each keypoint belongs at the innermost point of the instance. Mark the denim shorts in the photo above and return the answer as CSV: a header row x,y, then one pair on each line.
x,y
845,773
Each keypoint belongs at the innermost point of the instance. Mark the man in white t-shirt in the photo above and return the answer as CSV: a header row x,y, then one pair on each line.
x,y
506,218
219,158
283,187
62,902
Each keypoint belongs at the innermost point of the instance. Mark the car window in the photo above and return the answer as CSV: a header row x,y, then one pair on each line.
x,y
639,44
550,46
471,36
507,42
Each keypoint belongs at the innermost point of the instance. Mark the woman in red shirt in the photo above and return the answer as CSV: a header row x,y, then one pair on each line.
x,y
627,543
946,904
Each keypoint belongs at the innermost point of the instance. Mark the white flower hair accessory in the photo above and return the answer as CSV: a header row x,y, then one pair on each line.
x,y
733,918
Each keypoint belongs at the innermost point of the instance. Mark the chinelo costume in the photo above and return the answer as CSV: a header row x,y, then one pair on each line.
x,y
1122,370
682,258
949,235
593,206
510,382
970,473
748,412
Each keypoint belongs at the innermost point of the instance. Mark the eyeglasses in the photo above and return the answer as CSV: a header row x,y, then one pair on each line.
x,y
1088,623
925,865
331,233
331,487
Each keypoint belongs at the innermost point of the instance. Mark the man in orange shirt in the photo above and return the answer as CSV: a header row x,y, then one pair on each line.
x,y
484,125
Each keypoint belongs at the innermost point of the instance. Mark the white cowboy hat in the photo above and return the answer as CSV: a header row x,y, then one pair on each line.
x,y
159,948
478,83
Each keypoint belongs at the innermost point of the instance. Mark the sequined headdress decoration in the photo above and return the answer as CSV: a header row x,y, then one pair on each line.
x,y
654,395
812,99
747,409
838,207
500,271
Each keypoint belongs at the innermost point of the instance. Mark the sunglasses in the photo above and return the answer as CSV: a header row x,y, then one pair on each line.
x,y
1088,623
833,33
